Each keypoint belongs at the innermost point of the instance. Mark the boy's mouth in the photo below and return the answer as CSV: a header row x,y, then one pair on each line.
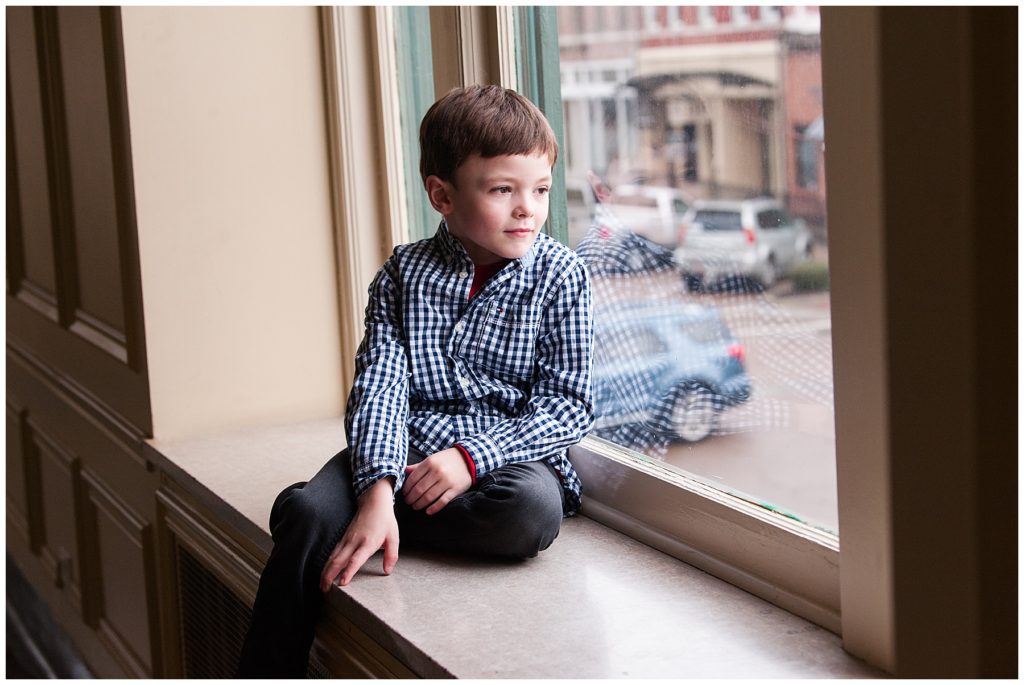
x,y
520,232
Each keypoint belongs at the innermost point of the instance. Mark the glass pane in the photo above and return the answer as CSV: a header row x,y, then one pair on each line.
x,y
415,95
696,193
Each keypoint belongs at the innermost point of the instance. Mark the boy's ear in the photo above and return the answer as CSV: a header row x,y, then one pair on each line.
x,y
440,194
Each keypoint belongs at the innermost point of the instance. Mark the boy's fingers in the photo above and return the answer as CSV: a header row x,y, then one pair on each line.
x,y
390,555
333,566
429,497
440,503
416,489
413,478
359,557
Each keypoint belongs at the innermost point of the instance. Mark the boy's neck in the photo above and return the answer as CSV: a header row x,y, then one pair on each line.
x,y
483,273
490,266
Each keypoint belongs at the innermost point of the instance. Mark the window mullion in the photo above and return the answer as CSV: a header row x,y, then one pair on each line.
x,y
540,80
390,119
366,221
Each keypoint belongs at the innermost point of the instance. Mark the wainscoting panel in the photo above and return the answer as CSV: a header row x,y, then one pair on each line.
x,y
89,501
124,587
74,290
80,495
17,499
30,190
59,497
93,185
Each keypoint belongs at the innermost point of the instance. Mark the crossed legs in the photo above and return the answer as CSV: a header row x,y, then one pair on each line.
x,y
514,511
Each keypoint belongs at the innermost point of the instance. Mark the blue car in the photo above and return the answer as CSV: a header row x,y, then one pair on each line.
x,y
665,367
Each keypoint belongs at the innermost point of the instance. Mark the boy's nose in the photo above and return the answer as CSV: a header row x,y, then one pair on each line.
x,y
524,208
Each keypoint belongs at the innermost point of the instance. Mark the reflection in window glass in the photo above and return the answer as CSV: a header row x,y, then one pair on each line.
x,y
695,188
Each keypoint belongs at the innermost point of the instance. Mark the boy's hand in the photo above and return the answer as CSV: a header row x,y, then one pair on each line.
x,y
374,526
436,481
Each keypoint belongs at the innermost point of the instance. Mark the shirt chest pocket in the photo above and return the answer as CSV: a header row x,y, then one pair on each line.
x,y
506,342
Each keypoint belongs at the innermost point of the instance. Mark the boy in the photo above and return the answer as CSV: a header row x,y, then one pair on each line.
x,y
472,379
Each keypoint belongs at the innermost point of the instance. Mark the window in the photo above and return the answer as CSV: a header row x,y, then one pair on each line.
x,y
767,440
791,564
808,150
737,397
713,220
664,134
773,218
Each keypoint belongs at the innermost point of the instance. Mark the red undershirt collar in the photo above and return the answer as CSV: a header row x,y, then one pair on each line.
x,y
482,273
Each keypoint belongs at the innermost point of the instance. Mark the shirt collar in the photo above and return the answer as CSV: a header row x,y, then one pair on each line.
x,y
453,249
450,246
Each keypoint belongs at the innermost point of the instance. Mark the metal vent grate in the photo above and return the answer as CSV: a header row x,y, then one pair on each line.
x,y
213,621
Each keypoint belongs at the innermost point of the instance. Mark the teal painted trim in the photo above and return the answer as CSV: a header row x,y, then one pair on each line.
x,y
416,95
540,79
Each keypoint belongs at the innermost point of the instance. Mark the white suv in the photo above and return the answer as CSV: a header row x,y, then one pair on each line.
x,y
653,212
752,238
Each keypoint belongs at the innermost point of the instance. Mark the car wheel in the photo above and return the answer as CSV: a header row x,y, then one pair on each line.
x,y
695,414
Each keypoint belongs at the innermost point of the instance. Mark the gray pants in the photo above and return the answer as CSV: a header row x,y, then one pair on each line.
x,y
514,512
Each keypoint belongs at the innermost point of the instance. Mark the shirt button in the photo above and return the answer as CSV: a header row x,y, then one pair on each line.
x,y
460,326
463,274
464,382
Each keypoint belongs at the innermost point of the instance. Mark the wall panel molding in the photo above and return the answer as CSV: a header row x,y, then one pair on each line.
x,y
43,302
57,500
131,277
100,251
84,402
121,570
74,287
89,510
55,125
103,336
29,184
17,490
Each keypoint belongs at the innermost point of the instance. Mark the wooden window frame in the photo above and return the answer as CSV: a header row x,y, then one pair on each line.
x,y
851,589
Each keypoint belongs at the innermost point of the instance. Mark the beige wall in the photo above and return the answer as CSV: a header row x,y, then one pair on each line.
x,y
234,217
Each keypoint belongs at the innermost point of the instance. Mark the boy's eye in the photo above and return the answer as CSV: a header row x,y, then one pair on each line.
x,y
543,190
501,189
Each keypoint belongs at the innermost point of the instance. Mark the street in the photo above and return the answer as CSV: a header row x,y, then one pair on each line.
x,y
778,448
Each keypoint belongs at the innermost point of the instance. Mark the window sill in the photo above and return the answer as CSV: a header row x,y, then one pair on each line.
x,y
597,604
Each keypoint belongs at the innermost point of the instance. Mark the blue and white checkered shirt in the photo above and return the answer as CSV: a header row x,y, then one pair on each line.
x,y
506,374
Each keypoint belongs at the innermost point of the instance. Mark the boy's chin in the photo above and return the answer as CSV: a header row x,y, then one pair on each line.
x,y
518,247
517,253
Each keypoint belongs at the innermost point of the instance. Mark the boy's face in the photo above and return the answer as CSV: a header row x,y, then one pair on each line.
x,y
497,205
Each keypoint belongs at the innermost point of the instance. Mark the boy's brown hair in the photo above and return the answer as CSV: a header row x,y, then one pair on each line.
x,y
484,120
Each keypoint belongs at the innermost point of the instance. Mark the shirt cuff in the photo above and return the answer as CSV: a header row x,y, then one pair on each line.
x,y
362,482
470,464
485,453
